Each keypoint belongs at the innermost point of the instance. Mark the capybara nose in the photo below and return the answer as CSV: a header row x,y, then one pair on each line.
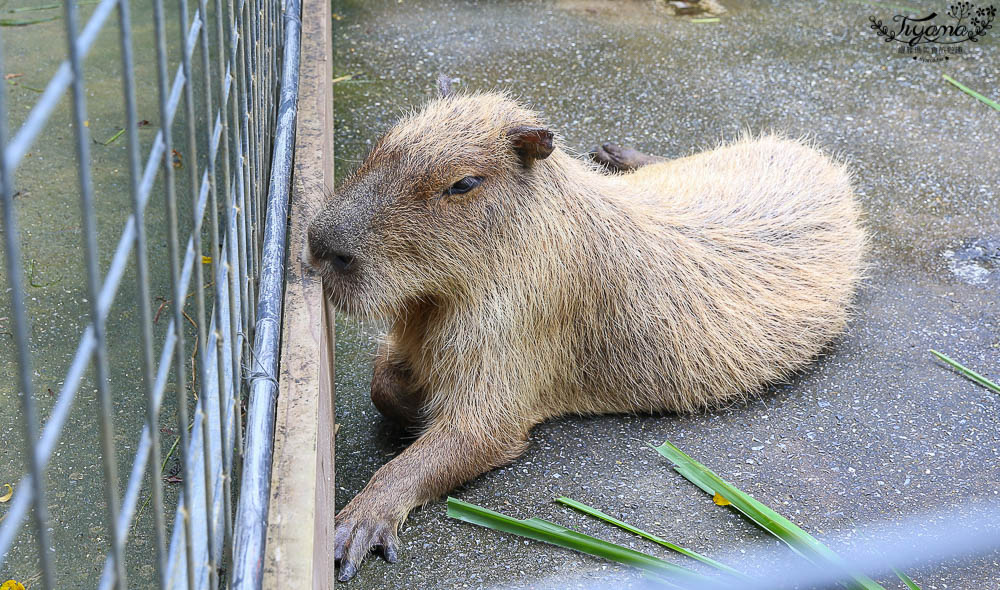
x,y
341,261
317,245
323,248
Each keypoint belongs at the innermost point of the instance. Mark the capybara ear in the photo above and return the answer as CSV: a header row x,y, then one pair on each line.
x,y
444,85
531,143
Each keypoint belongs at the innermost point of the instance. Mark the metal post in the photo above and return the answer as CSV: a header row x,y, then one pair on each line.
x,y
15,276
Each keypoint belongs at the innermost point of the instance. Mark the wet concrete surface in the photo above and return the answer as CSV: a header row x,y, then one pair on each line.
x,y
875,431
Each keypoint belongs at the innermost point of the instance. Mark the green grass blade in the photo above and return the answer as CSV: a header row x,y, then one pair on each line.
x,y
17,22
971,92
34,8
632,529
111,139
797,539
549,532
967,372
50,6
910,584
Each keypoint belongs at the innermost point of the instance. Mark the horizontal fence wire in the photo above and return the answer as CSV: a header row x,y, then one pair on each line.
x,y
235,140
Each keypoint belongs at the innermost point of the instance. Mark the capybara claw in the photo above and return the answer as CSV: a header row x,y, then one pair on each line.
x,y
347,571
389,552
355,538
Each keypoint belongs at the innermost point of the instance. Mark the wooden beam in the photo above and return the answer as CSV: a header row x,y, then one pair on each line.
x,y
300,523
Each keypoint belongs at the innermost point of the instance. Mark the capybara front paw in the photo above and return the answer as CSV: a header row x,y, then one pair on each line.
x,y
356,535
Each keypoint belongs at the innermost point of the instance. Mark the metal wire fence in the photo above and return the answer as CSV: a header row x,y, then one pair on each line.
x,y
233,54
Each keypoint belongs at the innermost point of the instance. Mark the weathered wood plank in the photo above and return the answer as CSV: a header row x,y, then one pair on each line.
x,y
300,527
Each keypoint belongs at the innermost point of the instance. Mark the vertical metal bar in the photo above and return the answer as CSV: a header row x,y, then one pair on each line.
x,y
15,278
266,96
170,202
228,324
244,286
246,35
89,218
231,207
222,328
220,290
256,219
267,24
249,260
199,288
275,18
142,279
276,45
209,477
251,144
235,37
256,185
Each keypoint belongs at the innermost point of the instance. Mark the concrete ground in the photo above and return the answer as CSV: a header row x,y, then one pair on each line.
x,y
875,432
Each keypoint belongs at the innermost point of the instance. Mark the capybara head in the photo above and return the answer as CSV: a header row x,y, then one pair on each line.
x,y
430,204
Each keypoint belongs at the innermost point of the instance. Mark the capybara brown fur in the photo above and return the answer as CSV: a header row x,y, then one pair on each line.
x,y
523,283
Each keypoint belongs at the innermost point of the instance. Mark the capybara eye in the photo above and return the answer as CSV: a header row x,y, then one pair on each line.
x,y
463,186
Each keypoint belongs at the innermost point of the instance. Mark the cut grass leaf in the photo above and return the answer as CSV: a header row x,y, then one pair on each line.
x,y
31,88
549,532
163,466
33,280
51,6
705,20
632,529
111,139
8,494
967,372
19,22
971,92
797,539
910,584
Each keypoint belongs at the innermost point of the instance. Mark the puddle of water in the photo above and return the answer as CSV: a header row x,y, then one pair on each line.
x,y
976,261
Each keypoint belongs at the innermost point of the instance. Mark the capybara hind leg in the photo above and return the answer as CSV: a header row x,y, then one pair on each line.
x,y
617,158
393,392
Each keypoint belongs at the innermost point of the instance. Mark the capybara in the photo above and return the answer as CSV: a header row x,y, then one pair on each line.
x,y
523,283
